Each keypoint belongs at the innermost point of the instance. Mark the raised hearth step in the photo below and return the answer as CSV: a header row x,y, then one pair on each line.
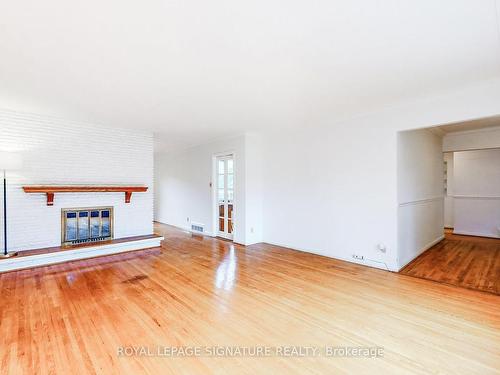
x,y
53,255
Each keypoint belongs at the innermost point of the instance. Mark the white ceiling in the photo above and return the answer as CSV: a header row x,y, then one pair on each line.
x,y
193,71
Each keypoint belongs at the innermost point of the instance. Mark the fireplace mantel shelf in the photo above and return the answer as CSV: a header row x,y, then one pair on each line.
x,y
51,190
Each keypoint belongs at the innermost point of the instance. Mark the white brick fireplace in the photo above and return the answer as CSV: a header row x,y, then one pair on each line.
x,y
59,152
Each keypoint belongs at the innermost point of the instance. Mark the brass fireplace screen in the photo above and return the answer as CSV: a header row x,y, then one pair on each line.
x,y
81,225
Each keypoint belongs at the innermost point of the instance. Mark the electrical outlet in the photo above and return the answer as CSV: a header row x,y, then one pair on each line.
x,y
187,219
251,230
358,257
382,248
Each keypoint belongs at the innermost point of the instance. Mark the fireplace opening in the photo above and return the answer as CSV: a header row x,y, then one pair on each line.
x,y
81,225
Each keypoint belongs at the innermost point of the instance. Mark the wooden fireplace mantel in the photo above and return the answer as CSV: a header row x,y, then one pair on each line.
x,y
51,190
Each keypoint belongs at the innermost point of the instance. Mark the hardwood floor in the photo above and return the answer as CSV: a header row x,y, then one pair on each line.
x,y
73,318
465,261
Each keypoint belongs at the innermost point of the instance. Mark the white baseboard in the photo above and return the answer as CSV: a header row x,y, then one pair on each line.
x,y
365,262
477,234
188,229
30,261
425,248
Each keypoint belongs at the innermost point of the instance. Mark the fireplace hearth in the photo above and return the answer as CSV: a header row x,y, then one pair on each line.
x,y
83,225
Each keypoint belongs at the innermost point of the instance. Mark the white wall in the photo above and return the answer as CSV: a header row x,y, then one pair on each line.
x,y
183,186
449,211
61,152
254,188
420,193
331,191
472,140
330,187
475,189
477,192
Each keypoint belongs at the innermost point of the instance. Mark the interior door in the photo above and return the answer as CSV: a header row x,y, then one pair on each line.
x,y
225,196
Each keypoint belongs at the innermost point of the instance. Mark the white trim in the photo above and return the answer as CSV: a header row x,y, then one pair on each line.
x,y
475,197
497,8
224,235
421,201
436,130
450,151
215,206
188,229
422,250
477,234
472,131
365,262
16,263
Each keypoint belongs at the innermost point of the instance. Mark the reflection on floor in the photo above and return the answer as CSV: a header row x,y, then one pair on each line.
x,y
201,292
465,261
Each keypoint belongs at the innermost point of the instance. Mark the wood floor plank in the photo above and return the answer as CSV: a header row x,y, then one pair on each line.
x,y
200,291
465,261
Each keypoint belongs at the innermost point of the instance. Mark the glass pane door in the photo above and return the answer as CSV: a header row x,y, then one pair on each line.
x,y
225,196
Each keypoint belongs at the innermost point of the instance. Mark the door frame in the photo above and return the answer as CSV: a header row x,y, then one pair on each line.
x,y
215,206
